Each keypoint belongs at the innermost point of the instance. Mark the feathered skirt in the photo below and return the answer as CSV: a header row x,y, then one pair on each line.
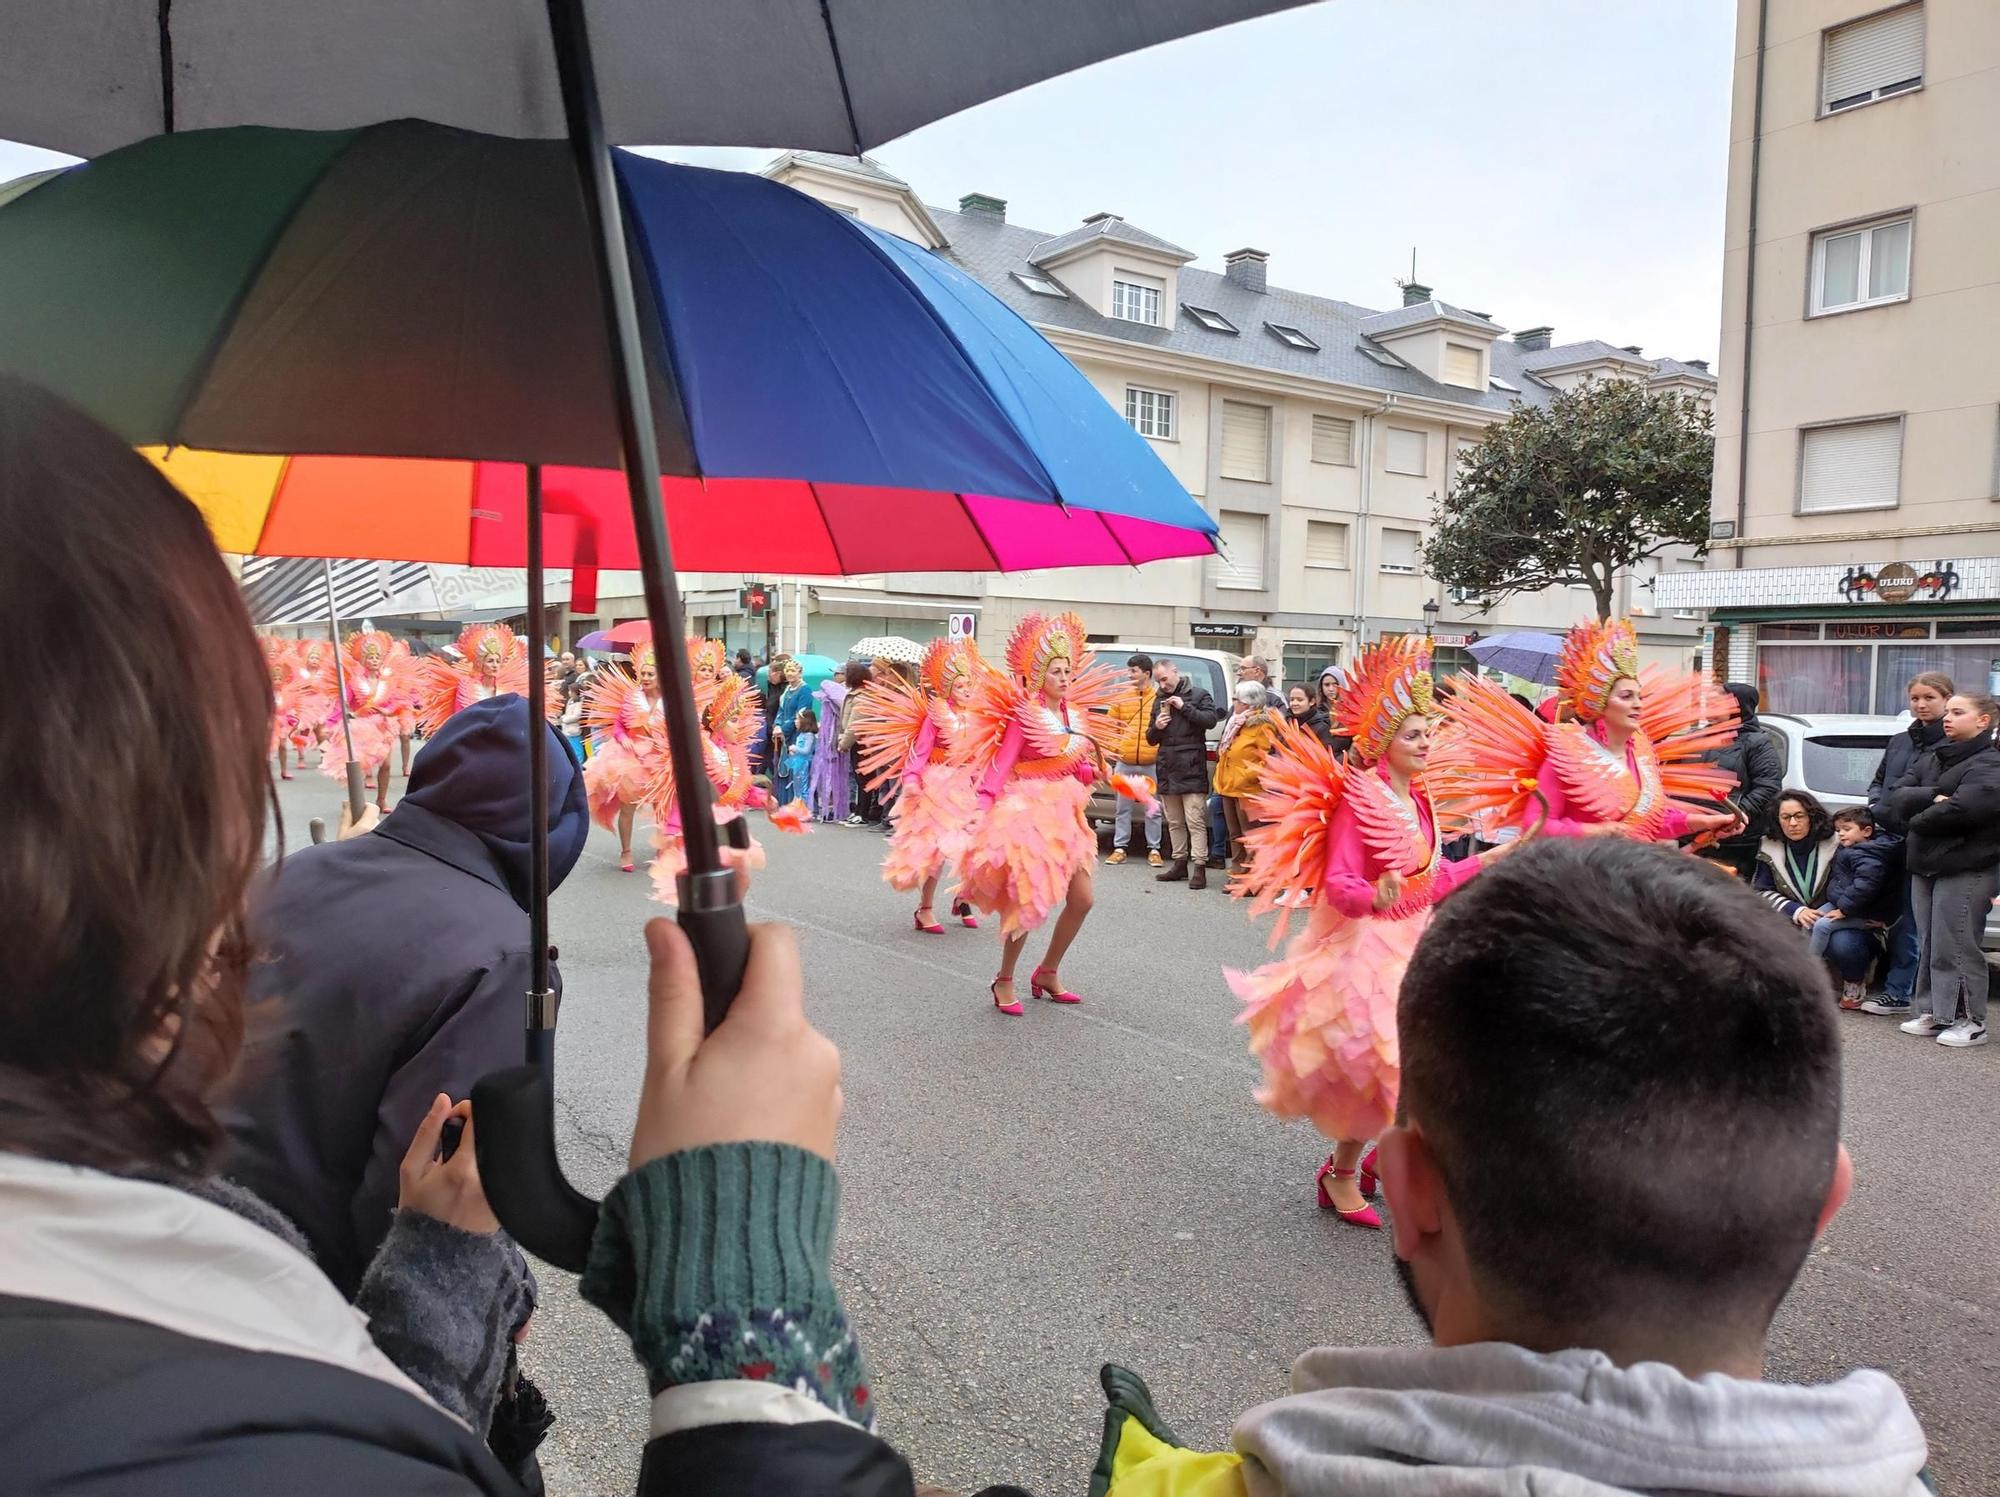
x,y
1023,852
1322,1021
934,818
616,777
373,735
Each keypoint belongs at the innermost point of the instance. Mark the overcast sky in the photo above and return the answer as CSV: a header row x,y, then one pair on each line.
x,y
1551,161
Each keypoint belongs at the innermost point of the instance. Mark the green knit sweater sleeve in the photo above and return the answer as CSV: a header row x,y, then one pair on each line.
x,y
717,1263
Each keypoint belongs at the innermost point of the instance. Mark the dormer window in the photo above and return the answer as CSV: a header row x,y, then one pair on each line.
x,y
1136,300
1462,365
1214,321
1040,285
1291,337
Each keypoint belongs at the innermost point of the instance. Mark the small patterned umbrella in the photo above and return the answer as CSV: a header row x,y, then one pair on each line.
x,y
888,647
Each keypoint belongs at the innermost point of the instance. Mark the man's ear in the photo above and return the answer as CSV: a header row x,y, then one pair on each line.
x,y
1837,1189
1411,1184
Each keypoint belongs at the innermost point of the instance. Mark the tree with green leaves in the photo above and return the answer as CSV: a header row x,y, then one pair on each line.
x,y
1607,474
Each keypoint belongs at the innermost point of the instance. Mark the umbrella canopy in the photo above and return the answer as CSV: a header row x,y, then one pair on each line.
x,y
1523,653
349,343
835,75
816,669
887,647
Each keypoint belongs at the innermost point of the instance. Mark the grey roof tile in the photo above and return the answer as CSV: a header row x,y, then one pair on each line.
x,y
866,166
1424,311
989,250
1104,226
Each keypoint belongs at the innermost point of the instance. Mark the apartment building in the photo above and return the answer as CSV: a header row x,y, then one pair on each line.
x,y
1855,524
1318,432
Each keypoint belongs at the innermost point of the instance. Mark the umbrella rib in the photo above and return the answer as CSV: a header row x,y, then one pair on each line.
x,y
973,520
164,20
826,520
840,73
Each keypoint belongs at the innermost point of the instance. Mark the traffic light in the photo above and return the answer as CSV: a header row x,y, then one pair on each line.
x,y
755,599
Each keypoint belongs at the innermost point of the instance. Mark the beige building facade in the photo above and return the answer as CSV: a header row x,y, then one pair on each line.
x,y
1855,523
1317,432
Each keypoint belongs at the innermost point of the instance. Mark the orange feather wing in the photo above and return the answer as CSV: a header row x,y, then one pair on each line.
x,y
1487,755
1300,789
1687,715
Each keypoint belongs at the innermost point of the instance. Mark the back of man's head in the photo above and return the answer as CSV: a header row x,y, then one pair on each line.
x,y
1628,1081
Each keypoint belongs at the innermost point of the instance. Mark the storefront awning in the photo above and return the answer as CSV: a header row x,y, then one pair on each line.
x,y
859,603
1839,585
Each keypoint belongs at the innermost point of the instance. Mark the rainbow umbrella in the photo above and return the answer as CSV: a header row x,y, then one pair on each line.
x,y
356,343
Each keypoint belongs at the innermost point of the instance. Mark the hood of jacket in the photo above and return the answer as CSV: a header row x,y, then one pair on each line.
x,y
1496,1420
473,772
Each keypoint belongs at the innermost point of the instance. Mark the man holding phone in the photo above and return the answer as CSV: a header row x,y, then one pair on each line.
x,y
1183,714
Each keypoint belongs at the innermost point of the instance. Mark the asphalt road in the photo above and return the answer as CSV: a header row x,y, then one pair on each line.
x,y
1025,1199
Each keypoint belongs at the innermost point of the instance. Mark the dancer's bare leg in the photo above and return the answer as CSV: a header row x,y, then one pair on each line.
x,y
929,892
406,756
626,816
1344,1189
284,772
1076,908
1010,957
382,788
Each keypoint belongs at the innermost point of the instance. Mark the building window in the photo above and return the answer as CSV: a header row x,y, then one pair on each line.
x,y
1305,660
1855,465
1406,451
1214,321
1134,301
1151,412
1333,441
1861,267
1240,562
1326,543
1461,365
1291,337
1872,58
1246,441
1400,550
1039,284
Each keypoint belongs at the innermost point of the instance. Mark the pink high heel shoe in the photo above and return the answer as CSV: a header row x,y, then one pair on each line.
x,y
1013,1010
1049,991
965,916
1368,1181
932,929
1365,1217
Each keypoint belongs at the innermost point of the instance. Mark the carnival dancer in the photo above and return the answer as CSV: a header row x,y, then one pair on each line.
x,y
628,754
1363,835
1625,743
491,661
905,734
299,702
379,689
1030,743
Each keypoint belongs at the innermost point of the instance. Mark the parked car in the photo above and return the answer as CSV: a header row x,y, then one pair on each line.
x,y
1211,669
1834,757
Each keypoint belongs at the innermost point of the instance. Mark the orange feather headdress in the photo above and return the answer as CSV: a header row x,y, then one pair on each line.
x,y
489,647
1041,639
1595,657
1386,685
708,657
945,662
643,656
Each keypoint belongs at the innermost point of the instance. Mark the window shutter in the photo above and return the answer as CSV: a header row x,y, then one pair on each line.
x,y
1461,366
1399,550
1406,451
1333,440
1326,543
1850,467
1246,441
1868,56
1240,563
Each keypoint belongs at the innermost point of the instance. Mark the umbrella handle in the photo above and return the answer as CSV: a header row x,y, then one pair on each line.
x,y
712,915
516,1145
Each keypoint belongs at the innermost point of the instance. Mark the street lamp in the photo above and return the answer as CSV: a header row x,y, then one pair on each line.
x,y
1430,616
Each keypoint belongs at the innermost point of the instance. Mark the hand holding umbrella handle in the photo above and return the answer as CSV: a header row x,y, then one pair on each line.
x,y
711,912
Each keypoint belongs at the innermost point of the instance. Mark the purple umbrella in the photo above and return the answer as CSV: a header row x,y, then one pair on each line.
x,y
1523,653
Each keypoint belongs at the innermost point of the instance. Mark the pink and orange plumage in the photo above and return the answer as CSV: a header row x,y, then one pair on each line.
x,y
493,661
793,817
378,694
896,721
1299,791
1140,788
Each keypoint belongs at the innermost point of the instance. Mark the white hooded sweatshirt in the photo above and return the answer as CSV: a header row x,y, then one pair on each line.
x,y
1496,1420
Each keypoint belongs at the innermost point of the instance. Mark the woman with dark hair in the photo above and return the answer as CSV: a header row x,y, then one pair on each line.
x,y
162,1330
1927,694
1794,866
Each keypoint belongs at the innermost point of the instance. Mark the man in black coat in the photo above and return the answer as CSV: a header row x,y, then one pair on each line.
x,y
395,967
1183,714
1759,767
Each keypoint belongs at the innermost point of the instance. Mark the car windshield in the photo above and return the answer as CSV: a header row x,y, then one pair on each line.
x,y
1843,764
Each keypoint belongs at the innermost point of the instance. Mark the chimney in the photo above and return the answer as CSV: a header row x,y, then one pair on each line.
x,y
1414,293
1635,350
1701,364
1098,218
978,202
1245,268
1534,339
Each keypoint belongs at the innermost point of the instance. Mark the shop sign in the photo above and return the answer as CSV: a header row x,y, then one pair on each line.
x,y
961,625
1220,631
1878,629
1899,582
1452,641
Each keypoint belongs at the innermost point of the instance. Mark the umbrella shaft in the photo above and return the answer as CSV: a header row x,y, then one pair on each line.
x,y
541,1011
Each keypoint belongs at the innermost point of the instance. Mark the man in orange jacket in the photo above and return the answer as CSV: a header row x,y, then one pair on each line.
x,y
1135,757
